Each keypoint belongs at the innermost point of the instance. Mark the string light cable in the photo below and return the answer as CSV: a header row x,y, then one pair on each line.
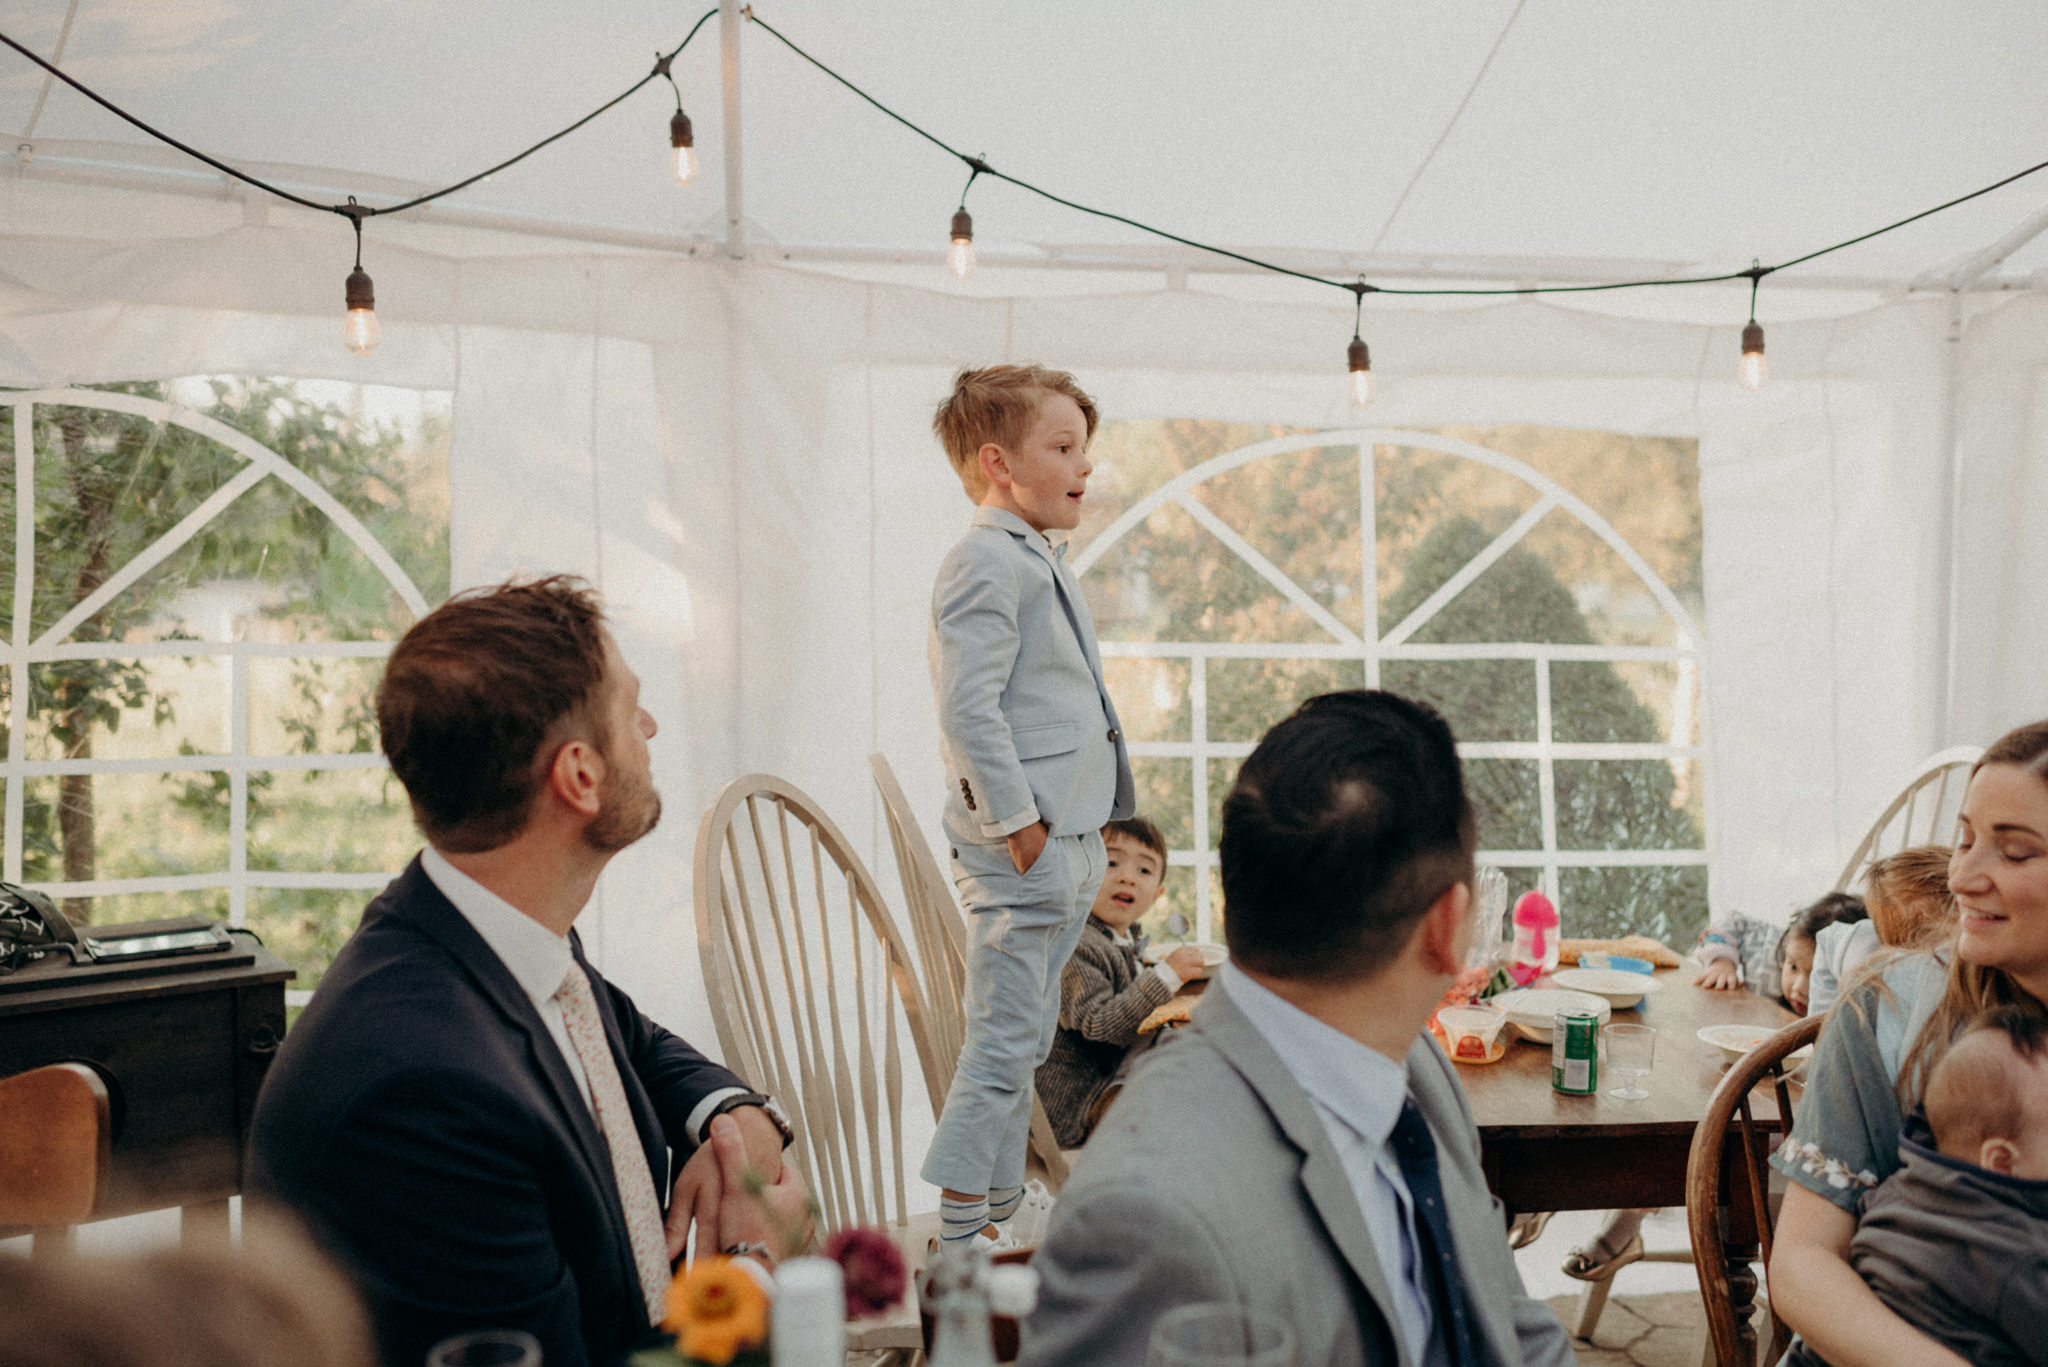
x,y
960,255
355,212
1755,274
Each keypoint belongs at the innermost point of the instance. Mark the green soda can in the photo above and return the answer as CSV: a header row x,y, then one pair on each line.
x,y
1575,1053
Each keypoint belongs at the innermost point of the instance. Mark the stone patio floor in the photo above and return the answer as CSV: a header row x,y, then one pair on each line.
x,y
1653,1317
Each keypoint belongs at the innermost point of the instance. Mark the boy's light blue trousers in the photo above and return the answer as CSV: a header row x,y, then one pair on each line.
x,y
1021,928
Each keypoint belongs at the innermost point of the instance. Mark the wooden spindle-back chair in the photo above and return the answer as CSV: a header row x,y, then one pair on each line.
x,y
1923,813
808,980
1728,1194
55,1137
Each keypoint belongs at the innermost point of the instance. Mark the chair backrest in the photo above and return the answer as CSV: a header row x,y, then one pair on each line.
x,y
1708,1171
806,976
54,1139
942,951
936,925
1923,813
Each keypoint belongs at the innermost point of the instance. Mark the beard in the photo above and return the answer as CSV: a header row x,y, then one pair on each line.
x,y
629,809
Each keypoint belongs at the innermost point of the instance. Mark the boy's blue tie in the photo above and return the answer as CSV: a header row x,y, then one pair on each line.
x,y
1415,1151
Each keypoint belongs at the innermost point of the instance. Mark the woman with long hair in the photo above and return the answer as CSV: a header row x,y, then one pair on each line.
x,y
1873,1058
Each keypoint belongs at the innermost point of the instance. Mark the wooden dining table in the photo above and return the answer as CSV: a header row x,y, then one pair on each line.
x,y
1543,1150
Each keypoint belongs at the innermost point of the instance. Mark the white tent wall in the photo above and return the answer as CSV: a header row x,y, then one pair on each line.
x,y
740,455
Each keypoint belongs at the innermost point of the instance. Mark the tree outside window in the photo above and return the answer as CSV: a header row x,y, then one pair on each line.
x,y
1539,586
198,609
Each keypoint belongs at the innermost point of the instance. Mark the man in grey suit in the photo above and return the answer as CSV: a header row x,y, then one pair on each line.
x,y
1302,1147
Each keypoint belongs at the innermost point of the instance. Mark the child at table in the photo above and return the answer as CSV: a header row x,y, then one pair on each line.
x,y
1731,950
1956,1240
1910,908
1035,763
1105,994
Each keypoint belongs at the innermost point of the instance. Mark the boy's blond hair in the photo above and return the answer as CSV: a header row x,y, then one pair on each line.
x,y
998,404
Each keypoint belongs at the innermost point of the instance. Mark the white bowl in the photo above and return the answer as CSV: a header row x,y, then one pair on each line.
x,y
1531,1009
1737,1040
1213,955
1621,988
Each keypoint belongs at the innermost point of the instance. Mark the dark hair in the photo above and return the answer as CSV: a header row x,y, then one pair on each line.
x,y
1809,921
1137,828
478,692
1973,1093
1344,825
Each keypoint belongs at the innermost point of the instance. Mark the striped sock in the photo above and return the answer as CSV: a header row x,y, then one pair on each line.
x,y
1003,1203
961,1220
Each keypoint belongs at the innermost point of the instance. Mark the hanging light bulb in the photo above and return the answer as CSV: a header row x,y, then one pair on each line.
x,y
1361,374
960,256
359,328
682,149
1755,369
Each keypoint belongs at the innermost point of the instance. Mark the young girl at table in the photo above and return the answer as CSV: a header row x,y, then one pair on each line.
x,y
1731,950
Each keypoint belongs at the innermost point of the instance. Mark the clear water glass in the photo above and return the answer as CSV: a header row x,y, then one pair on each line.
x,y
1219,1334
487,1348
1631,1050
1489,912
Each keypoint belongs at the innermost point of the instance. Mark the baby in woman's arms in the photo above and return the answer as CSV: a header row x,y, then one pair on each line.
x,y
1956,1241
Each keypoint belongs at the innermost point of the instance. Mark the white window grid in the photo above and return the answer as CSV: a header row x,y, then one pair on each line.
x,y
24,650
1370,652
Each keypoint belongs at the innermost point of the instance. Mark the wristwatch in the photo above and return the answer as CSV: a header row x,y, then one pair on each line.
x,y
766,1103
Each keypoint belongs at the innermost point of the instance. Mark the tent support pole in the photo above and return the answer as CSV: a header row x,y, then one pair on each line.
x,y
729,22
1960,281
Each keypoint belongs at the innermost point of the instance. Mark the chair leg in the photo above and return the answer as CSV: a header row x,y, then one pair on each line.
x,y
1592,1301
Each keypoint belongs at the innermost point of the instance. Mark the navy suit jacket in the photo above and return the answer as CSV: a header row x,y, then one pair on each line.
x,y
421,1120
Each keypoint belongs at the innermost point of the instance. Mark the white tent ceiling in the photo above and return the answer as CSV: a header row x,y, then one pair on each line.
x,y
1605,138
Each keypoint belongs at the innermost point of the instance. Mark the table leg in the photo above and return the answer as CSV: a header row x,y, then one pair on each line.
x,y
204,1224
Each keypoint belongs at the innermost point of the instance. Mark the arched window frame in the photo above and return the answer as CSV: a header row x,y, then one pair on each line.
x,y
24,651
1398,643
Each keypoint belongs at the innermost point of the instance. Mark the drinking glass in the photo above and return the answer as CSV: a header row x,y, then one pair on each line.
x,y
1218,1334
1489,911
1630,1051
487,1348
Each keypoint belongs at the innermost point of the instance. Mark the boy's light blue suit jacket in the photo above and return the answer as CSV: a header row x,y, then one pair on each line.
x,y
1026,726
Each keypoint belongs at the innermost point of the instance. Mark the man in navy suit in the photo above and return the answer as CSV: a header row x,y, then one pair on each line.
x,y
468,1115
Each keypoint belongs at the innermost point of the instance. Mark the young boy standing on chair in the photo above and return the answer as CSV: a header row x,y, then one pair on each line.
x,y
1035,762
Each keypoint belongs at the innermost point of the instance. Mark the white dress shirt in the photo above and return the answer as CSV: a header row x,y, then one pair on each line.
x,y
1357,1092
1124,939
539,961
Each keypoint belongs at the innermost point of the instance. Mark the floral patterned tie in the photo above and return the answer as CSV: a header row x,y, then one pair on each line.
x,y
615,1121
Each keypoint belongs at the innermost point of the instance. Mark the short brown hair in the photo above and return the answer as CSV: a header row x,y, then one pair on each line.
x,y
997,404
475,694
1979,1089
1140,831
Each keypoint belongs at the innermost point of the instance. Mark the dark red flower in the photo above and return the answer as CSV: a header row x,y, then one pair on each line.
x,y
875,1275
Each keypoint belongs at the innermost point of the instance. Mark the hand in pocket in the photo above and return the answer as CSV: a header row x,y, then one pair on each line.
x,y
1027,845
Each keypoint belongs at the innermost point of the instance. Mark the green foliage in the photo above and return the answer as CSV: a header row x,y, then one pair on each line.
x,y
1169,579
269,566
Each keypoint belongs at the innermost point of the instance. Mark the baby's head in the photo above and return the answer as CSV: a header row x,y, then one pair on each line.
x,y
1795,950
1137,872
1987,1100
999,407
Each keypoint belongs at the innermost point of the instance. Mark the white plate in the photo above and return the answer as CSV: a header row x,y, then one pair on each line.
x,y
1530,1009
1213,955
1621,988
1738,1040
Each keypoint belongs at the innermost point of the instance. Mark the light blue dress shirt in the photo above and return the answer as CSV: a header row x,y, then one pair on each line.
x,y
1357,1093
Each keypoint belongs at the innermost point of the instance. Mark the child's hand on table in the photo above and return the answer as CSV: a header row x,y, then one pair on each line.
x,y
1186,962
1720,975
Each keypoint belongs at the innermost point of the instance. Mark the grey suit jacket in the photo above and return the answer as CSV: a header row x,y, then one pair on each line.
x,y
1213,1179
1026,725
